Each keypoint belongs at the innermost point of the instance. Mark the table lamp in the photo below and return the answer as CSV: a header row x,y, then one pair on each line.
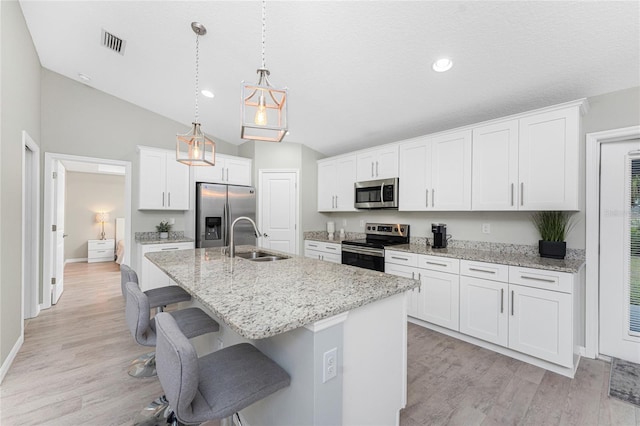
x,y
101,218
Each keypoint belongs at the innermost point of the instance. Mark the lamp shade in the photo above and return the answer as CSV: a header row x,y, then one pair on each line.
x,y
102,217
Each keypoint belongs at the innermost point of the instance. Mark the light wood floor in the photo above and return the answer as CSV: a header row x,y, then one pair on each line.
x,y
71,370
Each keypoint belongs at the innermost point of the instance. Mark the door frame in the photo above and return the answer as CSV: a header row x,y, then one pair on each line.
x,y
594,142
261,172
31,300
47,267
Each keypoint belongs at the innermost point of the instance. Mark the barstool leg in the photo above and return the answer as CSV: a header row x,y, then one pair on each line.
x,y
144,366
154,414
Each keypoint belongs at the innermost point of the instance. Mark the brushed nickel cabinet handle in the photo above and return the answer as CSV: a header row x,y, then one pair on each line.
x,y
169,197
546,280
512,308
377,174
522,193
482,270
372,169
163,199
501,300
400,258
433,197
436,263
427,197
512,194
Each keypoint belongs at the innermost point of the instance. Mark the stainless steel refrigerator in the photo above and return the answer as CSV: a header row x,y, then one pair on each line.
x,y
217,206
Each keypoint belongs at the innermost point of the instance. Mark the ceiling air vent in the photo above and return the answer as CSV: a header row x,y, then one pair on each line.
x,y
112,42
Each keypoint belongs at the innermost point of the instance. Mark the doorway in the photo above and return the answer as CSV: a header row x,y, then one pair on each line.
x,y
30,227
53,241
620,250
278,209
610,257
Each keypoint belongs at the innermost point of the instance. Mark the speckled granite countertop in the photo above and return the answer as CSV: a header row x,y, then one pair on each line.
x,y
263,299
501,257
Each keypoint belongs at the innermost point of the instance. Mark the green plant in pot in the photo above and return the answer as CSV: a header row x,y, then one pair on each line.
x,y
163,228
553,227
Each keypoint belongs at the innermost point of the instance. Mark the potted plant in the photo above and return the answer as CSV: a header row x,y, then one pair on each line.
x,y
163,228
553,227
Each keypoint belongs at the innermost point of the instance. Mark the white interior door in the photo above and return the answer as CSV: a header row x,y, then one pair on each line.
x,y
58,220
620,250
278,210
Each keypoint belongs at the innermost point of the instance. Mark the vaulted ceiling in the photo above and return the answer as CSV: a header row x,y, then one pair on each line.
x,y
359,72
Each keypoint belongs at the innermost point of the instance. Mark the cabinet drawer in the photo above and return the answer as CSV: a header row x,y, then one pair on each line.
x,y
100,244
484,270
166,247
538,278
401,258
335,248
436,263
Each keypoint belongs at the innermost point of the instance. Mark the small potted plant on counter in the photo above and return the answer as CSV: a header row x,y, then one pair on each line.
x,y
553,227
163,228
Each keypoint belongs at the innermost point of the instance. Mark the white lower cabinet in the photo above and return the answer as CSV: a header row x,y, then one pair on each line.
x,y
436,300
329,252
528,318
149,275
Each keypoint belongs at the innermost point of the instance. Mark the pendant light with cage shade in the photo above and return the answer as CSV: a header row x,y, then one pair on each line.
x,y
194,148
264,107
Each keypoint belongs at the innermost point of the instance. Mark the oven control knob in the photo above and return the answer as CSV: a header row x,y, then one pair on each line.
x,y
395,229
401,229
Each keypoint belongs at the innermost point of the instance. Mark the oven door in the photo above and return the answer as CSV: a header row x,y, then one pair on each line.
x,y
363,257
376,194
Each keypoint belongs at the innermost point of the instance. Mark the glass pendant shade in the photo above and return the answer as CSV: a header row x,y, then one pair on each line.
x,y
264,110
195,149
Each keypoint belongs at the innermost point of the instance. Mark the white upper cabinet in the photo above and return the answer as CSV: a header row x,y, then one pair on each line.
x,y
228,170
495,167
435,173
336,178
378,163
548,160
530,163
163,182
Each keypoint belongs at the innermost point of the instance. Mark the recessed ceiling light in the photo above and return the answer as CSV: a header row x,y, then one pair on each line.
x,y
442,65
85,78
207,93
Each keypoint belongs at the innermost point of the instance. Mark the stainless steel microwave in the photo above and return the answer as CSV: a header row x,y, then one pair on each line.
x,y
377,194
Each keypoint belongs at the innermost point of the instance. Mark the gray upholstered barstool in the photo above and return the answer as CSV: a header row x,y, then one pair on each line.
x,y
215,386
192,321
158,297
144,365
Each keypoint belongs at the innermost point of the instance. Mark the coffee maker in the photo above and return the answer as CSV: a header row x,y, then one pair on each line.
x,y
439,235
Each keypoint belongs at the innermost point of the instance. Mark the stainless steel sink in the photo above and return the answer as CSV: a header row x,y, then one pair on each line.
x,y
260,256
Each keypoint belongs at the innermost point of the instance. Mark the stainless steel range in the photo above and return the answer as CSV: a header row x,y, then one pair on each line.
x,y
369,253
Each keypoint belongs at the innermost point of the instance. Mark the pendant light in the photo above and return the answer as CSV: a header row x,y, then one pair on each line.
x,y
264,107
194,148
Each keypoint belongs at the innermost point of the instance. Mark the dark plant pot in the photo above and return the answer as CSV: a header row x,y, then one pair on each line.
x,y
552,249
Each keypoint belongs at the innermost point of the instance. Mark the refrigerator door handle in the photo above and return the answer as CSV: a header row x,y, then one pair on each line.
x,y
225,224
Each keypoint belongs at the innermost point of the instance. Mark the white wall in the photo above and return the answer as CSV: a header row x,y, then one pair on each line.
x,y
80,120
20,99
87,194
608,111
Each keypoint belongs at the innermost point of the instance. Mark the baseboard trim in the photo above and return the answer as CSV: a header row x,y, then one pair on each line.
x,y
12,355
76,260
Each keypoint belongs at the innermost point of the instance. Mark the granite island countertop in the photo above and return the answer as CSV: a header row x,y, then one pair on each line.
x,y
166,241
262,299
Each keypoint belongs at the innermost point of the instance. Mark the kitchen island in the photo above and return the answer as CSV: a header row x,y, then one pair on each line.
x,y
316,319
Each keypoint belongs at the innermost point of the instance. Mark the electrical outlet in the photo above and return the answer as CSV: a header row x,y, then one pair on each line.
x,y
219,343
361,223
344,222
486,228
172,221
330,365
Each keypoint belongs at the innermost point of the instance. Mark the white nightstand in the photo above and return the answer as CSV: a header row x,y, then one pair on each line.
x,y
101,251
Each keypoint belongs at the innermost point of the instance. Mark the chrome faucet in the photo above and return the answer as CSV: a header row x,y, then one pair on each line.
x,y
232,245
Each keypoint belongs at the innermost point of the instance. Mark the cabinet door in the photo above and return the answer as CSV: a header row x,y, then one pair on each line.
x,y
548,160
326,186
177,187
414,305
211,174
440,298
238,171
345,179
415,175
386,163
451,171
151,194
366,165
495,167
483,310
540,324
